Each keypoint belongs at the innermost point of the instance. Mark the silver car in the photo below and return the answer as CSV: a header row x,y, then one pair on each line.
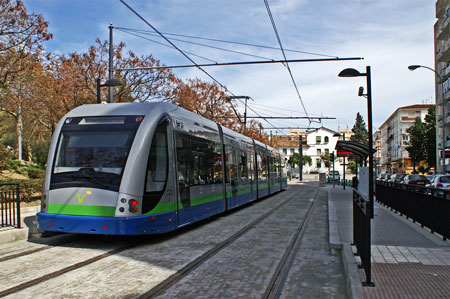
x,y
440,181
334,176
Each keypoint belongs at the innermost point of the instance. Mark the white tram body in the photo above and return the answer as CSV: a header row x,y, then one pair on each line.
x,y
147,168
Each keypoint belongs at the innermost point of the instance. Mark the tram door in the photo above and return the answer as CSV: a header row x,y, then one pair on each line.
x,y
184,177
232,184
234,175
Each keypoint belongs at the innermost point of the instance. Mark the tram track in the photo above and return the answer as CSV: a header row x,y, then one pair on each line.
x,y
186,270
51,245
64,270
175,277
277,282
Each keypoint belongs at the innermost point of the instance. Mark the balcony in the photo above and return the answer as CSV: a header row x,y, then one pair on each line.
x,y
445,72
440,8
442,33
443,52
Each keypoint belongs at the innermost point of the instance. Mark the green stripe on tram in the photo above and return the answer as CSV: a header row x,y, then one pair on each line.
x,y
205,199
162,208
81,210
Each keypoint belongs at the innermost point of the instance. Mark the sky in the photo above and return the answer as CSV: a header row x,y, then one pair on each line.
x,y
389,35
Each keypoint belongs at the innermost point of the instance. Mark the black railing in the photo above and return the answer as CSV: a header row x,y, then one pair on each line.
x,y
10,205
362,213
428,206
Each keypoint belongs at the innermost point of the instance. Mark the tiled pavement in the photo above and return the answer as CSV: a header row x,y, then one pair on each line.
x,y
400,254
407,261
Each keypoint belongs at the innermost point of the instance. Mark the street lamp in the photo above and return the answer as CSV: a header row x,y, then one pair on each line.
x,y
111,83
354,73
442,170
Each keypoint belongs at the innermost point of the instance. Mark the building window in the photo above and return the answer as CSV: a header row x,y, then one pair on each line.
x,y
319,152
285,151
292,151
318,138
327,139
318,163
327,151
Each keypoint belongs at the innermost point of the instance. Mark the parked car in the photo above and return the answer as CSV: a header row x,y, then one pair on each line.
x,y
439,182
381,176
415,179
398,177
430,177
387,177
334,176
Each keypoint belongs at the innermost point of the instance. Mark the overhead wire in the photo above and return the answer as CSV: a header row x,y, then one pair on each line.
x,y
178,49
231,42
209,46
162,44
284,55
173,45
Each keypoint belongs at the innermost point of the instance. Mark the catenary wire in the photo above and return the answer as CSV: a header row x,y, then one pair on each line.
x,y
178,49
284,55
233,42
206,46
165,45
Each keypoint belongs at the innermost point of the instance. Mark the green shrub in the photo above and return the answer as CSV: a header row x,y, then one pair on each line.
x,y
39,150
4,158
35,173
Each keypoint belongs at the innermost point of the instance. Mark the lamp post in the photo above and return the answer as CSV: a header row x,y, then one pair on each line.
x,y
363,213
110,83
355,73
332,158
442,158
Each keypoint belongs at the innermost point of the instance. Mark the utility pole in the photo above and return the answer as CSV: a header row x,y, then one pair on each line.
x,y
332,158
111,56
300,158
343,165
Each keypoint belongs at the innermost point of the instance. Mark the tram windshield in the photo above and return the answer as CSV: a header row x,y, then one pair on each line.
x,y
92,156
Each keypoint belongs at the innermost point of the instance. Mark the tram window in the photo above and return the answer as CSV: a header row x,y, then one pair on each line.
x,y
251,165
229,163
243,166
157,169
199,161
158,161
184,160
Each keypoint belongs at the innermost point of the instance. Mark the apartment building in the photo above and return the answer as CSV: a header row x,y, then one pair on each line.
x,y
442,67
393,138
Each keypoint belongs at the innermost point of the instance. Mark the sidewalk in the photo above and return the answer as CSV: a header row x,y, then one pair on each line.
x,y
407,261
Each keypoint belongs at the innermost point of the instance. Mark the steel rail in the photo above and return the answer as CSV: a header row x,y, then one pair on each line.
x,y
64,270
277,282
183,272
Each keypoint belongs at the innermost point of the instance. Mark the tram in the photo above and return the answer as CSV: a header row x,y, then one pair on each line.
x,y
149,168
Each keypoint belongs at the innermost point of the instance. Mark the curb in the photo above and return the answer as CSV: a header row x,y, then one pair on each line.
x,y
354,284
334,238
13,234
353,280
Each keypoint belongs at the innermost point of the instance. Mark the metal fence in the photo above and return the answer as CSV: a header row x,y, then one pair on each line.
x,y
361,233
428,206
10,205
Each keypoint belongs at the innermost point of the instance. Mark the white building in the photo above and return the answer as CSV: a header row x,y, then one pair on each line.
x,y
394,139
315,143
